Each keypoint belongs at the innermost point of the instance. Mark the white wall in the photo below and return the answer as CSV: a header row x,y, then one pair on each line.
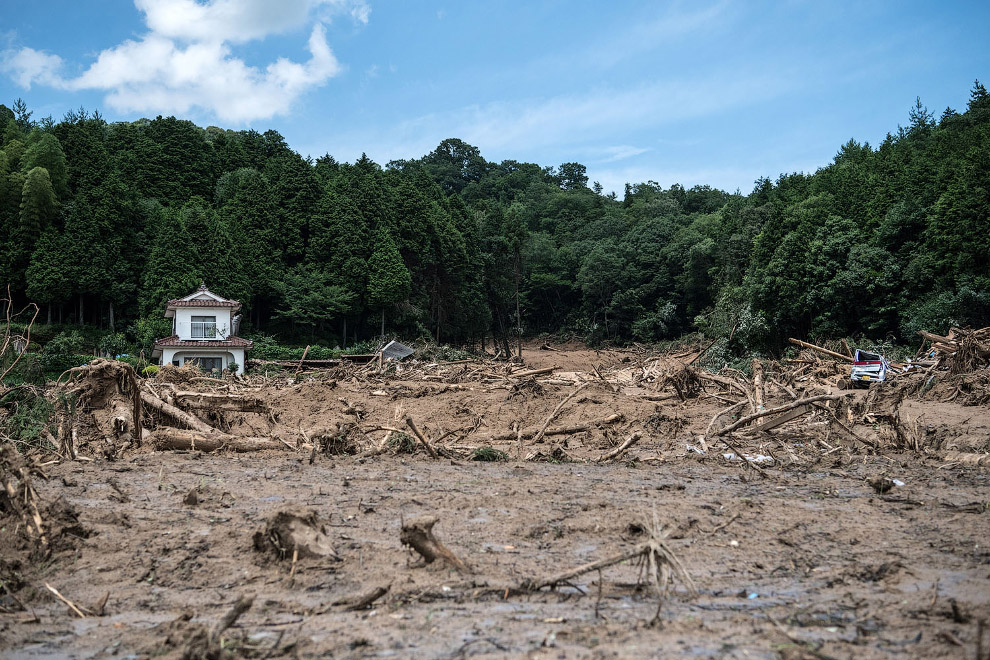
x,y
183,320
182,354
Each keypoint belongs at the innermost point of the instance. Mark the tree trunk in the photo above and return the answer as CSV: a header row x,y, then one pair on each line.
x,y
49,313
383,323
181,416
345,333
518,315
82,317
112,329
169,438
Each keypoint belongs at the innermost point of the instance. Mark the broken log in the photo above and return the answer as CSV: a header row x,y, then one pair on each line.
x,y
232,402
722,380
967,458
759,393
556,411
825,351
418,534
412,425
242,605
532,372
937,339
621,449
362,601
180,416
773,411
168,438
557,430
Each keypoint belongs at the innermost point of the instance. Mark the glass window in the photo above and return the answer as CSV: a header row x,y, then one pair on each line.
x,y
203,327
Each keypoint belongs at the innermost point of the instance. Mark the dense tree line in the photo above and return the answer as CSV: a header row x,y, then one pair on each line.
x,y
101,223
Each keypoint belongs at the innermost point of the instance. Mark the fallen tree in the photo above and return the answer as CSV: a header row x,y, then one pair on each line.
x,y
169,438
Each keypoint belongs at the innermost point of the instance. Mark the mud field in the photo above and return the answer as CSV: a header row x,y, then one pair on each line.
x,y
857,529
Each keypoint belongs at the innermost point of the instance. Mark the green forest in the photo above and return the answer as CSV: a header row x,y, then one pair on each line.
x,y
101,223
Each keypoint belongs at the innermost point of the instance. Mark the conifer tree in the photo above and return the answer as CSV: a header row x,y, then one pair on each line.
x,y
172,268
388,278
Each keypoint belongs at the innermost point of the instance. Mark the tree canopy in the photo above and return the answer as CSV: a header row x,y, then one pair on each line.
x,y
882,241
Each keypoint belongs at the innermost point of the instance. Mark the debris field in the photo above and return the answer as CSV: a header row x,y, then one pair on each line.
x,y
585,504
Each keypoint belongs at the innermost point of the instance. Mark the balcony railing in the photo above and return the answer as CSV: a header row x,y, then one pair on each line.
x,y
201,330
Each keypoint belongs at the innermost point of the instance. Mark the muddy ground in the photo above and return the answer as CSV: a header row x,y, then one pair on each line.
x,y
797,556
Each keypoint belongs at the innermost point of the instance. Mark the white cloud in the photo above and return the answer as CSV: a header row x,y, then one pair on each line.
x,y
525,125
577,124
621,152
28,66
185,62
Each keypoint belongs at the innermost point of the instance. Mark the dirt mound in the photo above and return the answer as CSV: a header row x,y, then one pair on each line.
x,y
295,533
170,373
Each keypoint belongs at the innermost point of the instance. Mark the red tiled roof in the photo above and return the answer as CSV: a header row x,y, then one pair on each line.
x,y
176,302
174,341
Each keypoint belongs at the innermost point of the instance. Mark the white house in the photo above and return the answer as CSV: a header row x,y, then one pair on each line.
x,y
204,332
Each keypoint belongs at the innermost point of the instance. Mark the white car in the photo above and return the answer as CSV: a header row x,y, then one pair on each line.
x,y
869,368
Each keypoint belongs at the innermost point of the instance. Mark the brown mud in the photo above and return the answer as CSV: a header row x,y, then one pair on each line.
x,y
796,554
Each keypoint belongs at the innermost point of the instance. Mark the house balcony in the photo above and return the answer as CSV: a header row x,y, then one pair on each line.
x,y
202,331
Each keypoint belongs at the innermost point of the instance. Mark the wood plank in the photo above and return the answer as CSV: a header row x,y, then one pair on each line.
x,y
782,419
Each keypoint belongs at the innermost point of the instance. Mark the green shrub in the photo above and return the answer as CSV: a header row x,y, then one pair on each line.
x,y
56,364
402,443
70,341
28,369
488,454
441,353
28,413
150,371
112,345
139,363
149,328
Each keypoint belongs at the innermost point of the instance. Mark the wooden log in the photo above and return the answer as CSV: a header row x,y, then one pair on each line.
x,y
566,576
215,648
722,380
301,360
180,416
845,347
363,601
201,400
967,458
825,351
759,393
168,438
557,430
621,449
773,411
532,372
939,339
412,425
556,411
121,420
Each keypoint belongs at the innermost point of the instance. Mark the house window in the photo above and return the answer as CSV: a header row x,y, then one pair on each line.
x,y
206,363
204,327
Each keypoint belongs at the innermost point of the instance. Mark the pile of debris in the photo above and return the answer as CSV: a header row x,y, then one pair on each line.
x,y
961,351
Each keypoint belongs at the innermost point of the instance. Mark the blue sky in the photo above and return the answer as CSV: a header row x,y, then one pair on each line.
x,y
716,93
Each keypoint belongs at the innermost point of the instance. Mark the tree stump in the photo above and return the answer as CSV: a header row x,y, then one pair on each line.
x,y
417,533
